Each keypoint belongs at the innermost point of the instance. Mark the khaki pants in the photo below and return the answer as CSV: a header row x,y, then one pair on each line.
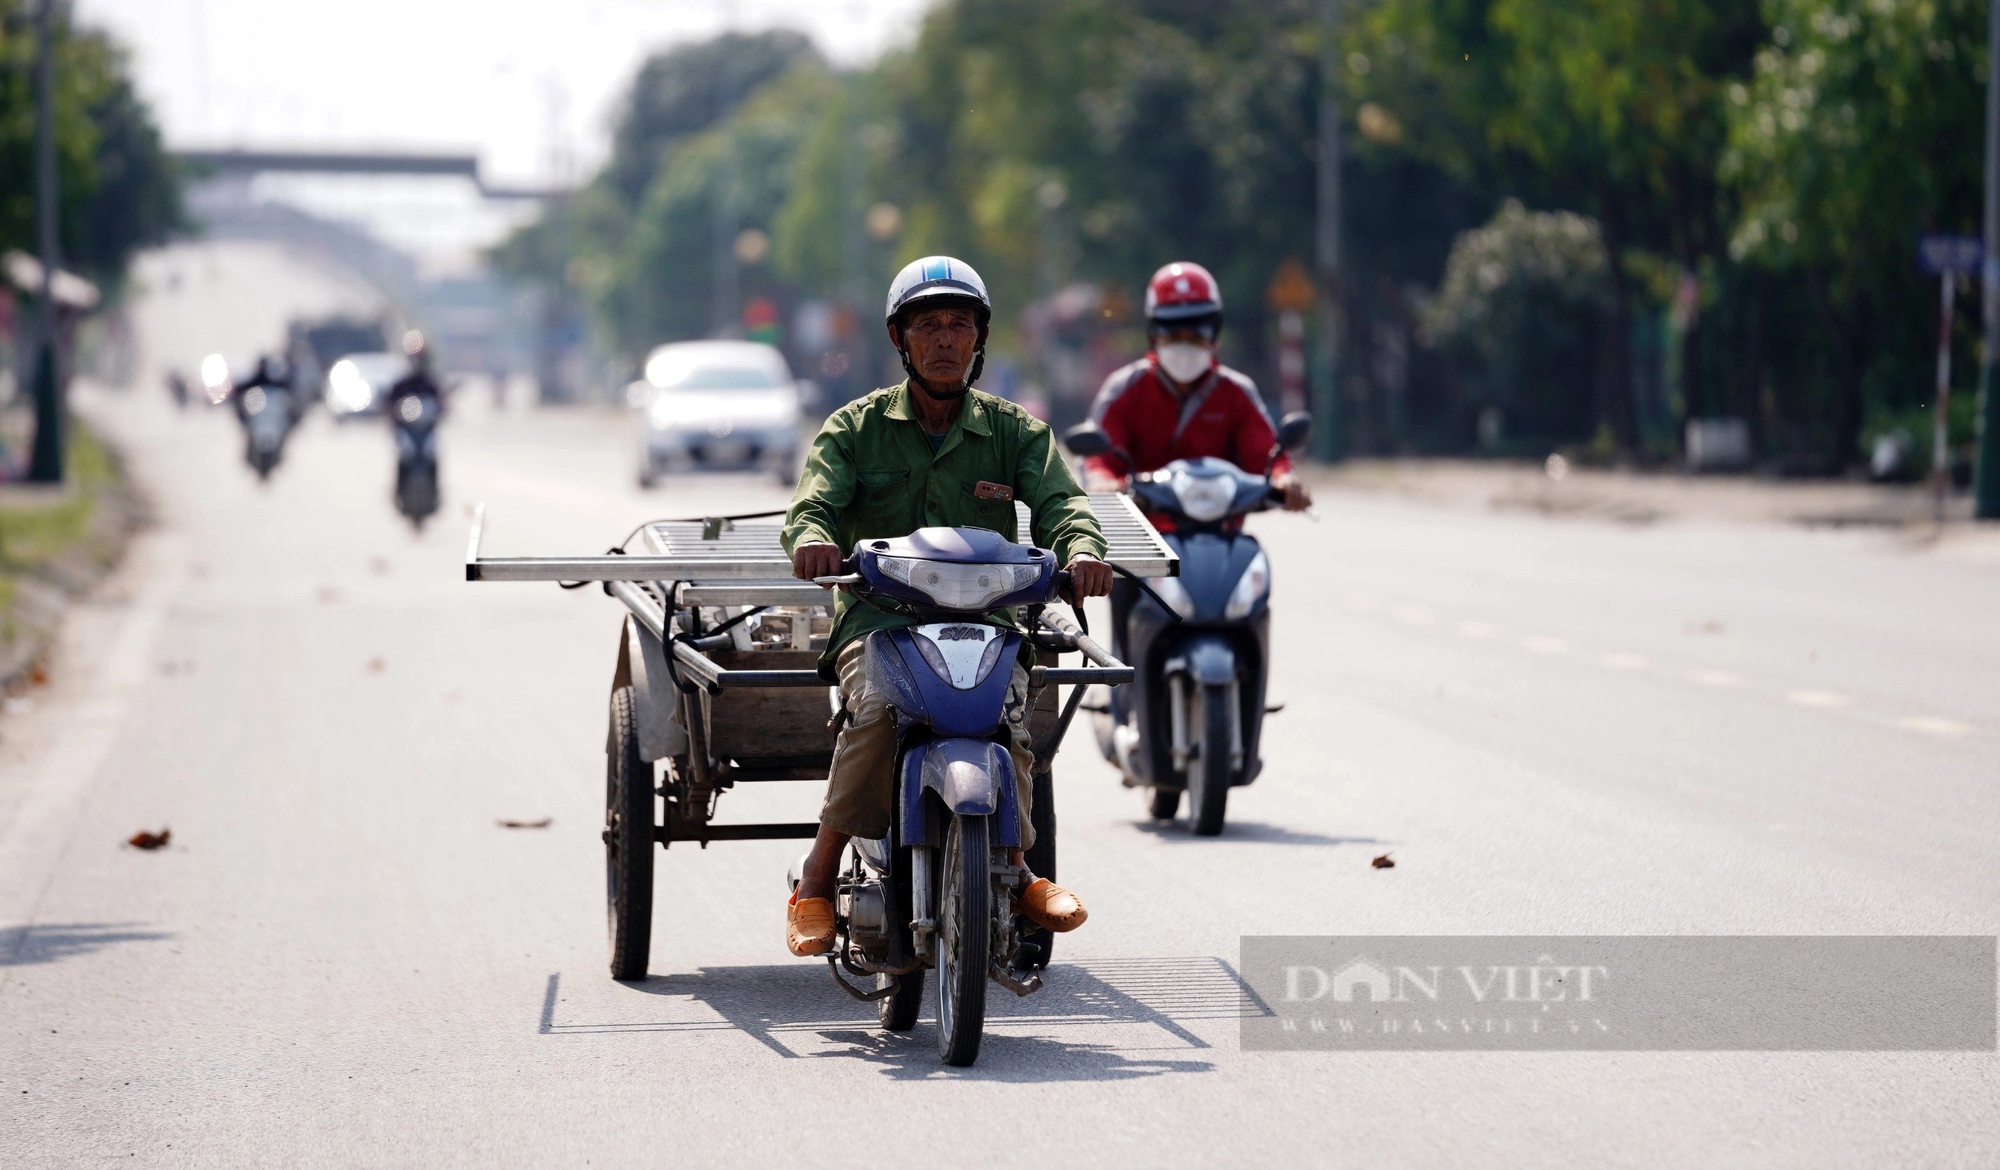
x,y
860,791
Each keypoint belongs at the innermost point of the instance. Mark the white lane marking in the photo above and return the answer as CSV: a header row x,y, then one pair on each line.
x,y
1932,725
1819,699
1414,615
1478,629
32,844
1717,678
1544,645
1627,661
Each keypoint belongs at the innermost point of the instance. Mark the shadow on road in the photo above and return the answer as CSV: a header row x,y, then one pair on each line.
x,y
790,1007
1251,832
52,942
913,1056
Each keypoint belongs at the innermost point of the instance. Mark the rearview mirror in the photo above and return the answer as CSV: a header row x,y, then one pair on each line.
x,y
1086,440
1293,429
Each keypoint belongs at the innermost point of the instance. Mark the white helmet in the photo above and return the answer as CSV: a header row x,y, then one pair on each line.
x,y
939,278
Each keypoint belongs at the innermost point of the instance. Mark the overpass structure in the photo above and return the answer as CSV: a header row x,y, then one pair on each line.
x,y
221,163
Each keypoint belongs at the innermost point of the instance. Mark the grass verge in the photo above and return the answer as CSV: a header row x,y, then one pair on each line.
x,y
55,543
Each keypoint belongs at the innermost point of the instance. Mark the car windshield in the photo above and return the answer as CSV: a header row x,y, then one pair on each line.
x,y
379,368
720,378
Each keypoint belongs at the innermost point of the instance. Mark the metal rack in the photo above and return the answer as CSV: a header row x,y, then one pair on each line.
x,y
743,563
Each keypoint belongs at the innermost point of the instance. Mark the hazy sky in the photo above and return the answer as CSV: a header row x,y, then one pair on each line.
x,y
528,85
516,80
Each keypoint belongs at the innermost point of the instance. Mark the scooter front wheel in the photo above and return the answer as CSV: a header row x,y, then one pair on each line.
x,y
965,934
1208,790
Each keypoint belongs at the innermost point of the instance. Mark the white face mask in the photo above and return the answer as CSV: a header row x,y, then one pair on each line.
x,y
1183,361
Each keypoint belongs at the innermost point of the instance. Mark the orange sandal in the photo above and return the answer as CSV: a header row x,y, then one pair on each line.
x,y
1051,907
808,926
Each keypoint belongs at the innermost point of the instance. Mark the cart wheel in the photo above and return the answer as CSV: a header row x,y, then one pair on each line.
x,y
1163,803
1037,944
901,1007
628,843
899,1010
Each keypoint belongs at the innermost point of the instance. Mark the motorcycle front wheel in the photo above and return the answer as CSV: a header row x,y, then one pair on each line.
x,y
1208,787
965,934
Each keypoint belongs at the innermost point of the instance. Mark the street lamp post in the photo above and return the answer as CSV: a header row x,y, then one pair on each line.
x,y
1327,432
45,464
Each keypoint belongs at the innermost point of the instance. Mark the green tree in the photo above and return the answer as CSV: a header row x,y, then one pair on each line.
x,y
120,190
1859,130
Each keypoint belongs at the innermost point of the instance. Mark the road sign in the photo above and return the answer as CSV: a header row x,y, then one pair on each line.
x,y
1938,255
1291,289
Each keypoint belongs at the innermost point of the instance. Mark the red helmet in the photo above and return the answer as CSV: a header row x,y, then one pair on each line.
x,y
1182,291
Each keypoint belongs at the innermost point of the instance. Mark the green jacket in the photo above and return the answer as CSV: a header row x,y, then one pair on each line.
x,y
871,473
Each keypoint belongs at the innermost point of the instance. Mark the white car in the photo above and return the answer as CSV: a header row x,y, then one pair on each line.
x,y
720,404
359,383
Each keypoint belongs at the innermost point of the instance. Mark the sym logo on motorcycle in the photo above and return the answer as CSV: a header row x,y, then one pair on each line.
x,y
1201,641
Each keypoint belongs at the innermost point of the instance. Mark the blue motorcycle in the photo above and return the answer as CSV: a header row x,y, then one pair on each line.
x,y
938,892
1200,642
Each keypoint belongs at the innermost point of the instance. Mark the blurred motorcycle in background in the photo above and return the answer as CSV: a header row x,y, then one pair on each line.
x,y
268,410
415,419
1201,641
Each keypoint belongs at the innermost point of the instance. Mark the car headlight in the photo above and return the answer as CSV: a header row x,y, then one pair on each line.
x,y
350,390
1175,594
662,413
955,585
1253,586
1205,498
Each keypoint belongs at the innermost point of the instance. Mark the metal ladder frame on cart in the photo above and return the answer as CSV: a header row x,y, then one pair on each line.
x,y
726,576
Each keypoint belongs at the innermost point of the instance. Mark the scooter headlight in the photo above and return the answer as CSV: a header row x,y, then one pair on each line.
x,y
1205,498
1252,587
955,585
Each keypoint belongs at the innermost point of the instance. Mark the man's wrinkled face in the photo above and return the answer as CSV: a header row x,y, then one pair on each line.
x,y
941,342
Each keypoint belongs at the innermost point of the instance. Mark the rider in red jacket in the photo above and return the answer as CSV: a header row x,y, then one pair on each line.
x,y
1179,402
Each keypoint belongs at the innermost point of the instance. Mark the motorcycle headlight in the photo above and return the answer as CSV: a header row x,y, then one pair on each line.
x,y
952,585
1253,586
1205,498
1175,594
254,401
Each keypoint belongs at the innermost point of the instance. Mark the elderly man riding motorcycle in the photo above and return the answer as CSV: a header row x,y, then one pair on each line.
x,y
1179,402
931,451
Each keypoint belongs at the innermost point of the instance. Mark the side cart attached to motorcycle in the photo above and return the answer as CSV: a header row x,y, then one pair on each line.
x,y
715,686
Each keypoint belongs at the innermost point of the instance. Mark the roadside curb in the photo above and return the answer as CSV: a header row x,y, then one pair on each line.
x,y
45,593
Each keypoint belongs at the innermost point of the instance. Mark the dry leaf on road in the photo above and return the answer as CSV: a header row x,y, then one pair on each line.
x,y
544,823
145,840
1383,862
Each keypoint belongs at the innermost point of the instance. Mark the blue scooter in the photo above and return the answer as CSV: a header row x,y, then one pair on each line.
x,y
1200,642
938,891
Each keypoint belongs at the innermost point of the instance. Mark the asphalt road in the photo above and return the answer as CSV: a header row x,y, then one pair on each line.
x,y
1556,726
